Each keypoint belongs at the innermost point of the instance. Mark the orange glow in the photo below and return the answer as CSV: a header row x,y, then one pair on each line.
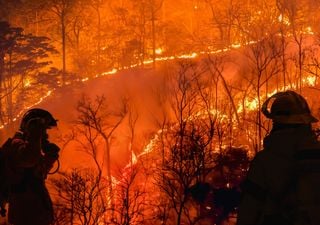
x,y
250,104
156,56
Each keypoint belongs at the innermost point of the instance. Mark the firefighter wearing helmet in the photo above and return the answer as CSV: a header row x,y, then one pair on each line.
x,y
31,157
281,187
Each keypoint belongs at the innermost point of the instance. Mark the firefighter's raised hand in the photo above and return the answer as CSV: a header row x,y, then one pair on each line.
x,y
35,128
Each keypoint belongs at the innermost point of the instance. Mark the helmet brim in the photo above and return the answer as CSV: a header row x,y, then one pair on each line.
x,y
305,118
53,123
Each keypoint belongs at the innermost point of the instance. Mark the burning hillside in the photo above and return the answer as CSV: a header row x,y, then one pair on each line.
x,y
159,106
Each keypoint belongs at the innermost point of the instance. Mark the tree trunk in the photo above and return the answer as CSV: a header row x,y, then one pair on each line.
x,y
153,39
284,63
259,117
109,177
72,203
99,38
300,64
180,213
1,84
63,36
9,91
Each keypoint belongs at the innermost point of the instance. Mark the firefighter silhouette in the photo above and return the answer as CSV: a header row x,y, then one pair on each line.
x,y
30,158
282,185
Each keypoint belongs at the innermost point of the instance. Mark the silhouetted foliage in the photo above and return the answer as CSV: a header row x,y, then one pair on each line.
x,y
22,57
81,199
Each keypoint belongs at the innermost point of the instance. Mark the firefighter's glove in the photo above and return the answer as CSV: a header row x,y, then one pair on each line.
x,y
35,128
51,149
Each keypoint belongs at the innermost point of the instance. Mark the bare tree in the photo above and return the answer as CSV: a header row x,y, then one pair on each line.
x,y
227,17
81,198
98,6
154,7
82,192
98,115
283,26
62,10
130,194
187,144
264,58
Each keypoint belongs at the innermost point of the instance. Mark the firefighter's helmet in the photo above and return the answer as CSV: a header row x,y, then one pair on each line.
x,y
49,120
288,107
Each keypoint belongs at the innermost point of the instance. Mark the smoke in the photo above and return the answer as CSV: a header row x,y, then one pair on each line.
x,y
140,87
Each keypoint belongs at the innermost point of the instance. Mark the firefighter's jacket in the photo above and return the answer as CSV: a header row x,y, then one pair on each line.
x,y
29,200
270,174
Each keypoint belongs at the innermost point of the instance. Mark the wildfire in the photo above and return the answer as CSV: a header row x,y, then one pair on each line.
x,y
153,142
309,81
159,51
284,19
150,146
113,71
308,30
114,181
250,105
28,107
238,45
188,56
134,158
27,83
